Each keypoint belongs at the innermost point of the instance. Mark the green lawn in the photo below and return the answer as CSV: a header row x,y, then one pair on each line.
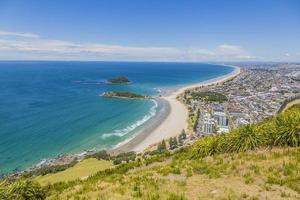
x,y
81,170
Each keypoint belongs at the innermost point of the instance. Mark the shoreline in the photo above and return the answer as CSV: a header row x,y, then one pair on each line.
x,y
172,121
168,122
143,133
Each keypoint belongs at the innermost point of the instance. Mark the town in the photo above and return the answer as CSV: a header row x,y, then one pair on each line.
x,y
257,93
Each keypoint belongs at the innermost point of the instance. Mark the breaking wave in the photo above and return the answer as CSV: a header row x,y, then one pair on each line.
x,y
130,128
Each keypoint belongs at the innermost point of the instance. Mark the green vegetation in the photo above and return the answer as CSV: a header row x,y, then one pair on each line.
x,y
21,190
100,155
208,96
48,170
181,137
196,119
123,94
124,157
81,170
258,161
161,147
193,118
118,80
173,143
257,175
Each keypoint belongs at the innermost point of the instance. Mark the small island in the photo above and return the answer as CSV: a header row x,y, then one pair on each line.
x,y
119,80
124,94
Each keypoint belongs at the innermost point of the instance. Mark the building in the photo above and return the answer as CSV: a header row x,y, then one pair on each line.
x,y
208,124
221,118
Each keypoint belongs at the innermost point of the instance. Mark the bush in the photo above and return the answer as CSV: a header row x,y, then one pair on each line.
x,y
124,157
21,190
101,155
287,128
243,139
207,146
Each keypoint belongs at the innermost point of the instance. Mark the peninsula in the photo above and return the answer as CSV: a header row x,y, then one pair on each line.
x,y
118,80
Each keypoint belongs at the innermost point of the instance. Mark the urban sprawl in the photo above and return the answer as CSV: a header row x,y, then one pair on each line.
x,y
257,93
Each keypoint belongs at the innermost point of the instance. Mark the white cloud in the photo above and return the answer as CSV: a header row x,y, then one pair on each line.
x,y
298,53
229,49
17,34
31,46
287,54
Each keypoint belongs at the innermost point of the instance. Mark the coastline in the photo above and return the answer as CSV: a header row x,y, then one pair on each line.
x,y
172,121
168,122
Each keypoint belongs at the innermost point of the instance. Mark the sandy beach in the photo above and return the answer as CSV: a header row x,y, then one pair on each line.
x,y
171,121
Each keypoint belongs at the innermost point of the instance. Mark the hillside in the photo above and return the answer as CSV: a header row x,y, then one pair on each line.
x,y
260,161
253,175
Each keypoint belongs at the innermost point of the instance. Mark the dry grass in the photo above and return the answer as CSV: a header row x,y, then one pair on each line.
x,y
227,176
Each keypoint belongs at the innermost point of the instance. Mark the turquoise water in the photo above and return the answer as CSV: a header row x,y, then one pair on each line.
x,y
50,108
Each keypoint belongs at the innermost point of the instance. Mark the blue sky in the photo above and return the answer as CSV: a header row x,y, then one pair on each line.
x,y
154,30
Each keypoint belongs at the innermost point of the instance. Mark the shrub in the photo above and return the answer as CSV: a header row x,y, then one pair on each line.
x,y
207,146
287,128
100,155
124,157
21,190
243,139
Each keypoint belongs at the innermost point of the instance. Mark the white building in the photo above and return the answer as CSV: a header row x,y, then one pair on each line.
x,y
222,122
208,124
221,118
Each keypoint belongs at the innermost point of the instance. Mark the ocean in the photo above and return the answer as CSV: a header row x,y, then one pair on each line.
x,y
48,108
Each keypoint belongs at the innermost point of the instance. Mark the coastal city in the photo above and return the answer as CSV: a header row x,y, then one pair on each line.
x,y
149,100
257,93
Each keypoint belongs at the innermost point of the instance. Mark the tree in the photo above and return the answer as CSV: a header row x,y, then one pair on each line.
x,y
183,134
180,140
162,146
181,137
173,142
196,121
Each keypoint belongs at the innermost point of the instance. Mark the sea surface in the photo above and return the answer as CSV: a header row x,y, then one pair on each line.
x,y
53,108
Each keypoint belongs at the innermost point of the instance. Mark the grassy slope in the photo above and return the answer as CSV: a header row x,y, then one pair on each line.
x,y
238,165
81,170
264,174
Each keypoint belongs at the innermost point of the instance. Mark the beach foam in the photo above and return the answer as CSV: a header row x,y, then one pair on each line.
x,y
132,127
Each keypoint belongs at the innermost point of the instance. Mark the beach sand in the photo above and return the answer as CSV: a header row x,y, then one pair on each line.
x,y
171,121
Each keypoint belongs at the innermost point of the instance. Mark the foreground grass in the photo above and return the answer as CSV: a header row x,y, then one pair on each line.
x,y
81,170
263,174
